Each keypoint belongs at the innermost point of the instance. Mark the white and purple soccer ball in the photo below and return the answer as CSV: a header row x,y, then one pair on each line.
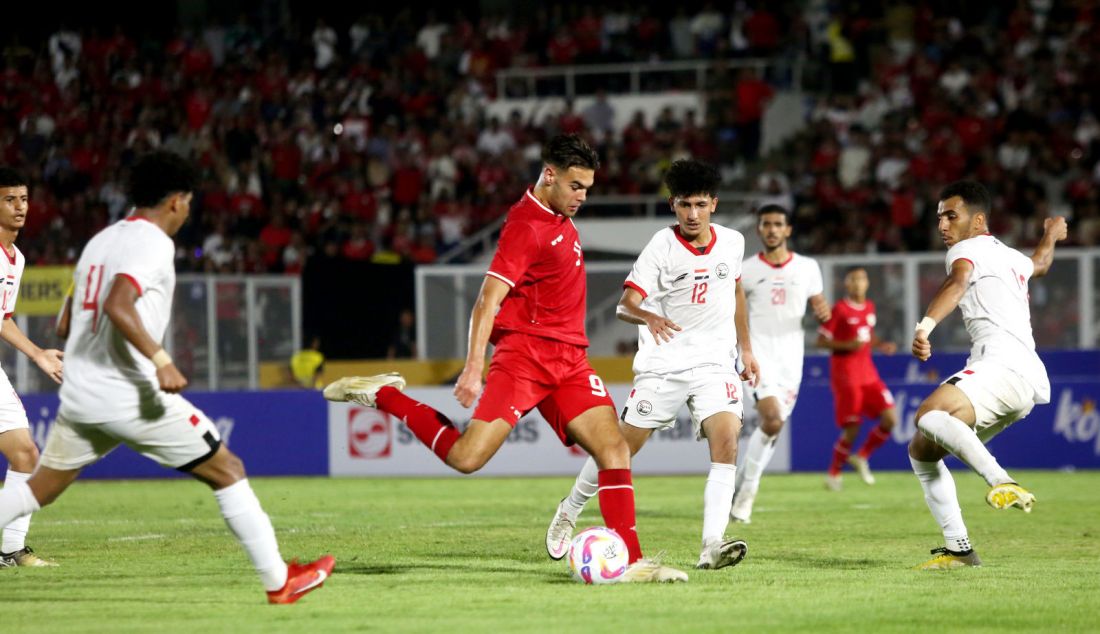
x,y
598,555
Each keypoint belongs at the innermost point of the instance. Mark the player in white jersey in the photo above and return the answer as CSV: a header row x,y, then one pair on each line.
x,y
778,285
122,387
16,444
685,294
1004,377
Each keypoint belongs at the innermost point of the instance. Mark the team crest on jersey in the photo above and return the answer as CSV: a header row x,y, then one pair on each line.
x,y
723,271
871,320
644,408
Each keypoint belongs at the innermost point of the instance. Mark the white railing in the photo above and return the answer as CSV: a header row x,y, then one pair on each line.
x,y
635,75
222,327
1065,304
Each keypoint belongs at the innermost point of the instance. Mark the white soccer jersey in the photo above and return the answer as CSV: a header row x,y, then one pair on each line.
x,y
697,290
11,270
777,295
106,378
995,308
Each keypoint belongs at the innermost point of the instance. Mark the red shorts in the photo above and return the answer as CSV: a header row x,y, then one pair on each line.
x,y
528,372
853,401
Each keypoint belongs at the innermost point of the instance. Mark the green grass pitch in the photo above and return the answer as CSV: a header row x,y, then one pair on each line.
x,y
466,555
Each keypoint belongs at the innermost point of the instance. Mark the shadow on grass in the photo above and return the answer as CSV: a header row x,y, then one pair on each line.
x,y
836,563
548,576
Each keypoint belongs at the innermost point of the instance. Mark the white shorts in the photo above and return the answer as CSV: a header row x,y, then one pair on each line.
x,y
999,396
181,439
12,413
786,394
656,398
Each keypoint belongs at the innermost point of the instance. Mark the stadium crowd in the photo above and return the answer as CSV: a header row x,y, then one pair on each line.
x,y
373,143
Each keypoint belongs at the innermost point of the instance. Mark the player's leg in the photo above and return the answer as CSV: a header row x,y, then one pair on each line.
x,y
758,453
185,439
585,487
721,430
969,409
848,401
878,403
21,453
926,458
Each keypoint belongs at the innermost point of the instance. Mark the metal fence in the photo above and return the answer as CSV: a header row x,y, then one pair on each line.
x,y
1065,304
222,328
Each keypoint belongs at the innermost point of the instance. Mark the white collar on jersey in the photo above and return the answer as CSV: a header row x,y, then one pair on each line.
x,y
531,195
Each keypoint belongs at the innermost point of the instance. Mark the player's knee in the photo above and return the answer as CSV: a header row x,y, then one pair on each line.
x,y
24,459
466,464
771,425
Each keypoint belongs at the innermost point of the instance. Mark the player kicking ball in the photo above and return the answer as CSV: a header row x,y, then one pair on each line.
x,y
684,293
1004,377
531,307
858,390
122,387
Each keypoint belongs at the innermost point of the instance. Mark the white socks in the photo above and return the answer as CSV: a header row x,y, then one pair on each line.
x,y
252,527
943,501
15,533
957,437
16,505
584,488
717,500
758,453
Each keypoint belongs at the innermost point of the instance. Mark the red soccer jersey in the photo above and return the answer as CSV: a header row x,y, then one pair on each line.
x,y
539,256
852,322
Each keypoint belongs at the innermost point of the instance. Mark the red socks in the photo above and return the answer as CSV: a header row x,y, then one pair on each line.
x,y
841,450
874,440
617,507
429,426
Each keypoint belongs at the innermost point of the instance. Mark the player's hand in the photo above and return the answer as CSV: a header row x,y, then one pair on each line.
x,y
1055,228
751,373
171,379
661,328
888,347
922,348
822,312
50,363
468,386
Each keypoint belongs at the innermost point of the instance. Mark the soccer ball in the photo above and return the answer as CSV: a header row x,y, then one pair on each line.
x,y
597,555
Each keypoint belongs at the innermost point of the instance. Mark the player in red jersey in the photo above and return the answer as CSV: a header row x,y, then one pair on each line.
x,y
532,308
857,388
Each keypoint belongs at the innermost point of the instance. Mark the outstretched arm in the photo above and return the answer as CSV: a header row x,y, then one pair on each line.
x,y
492,293
48,360
119,307
942,305
1054,229
630,310
751,373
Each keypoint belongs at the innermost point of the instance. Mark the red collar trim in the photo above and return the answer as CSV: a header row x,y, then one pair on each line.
x,y
855,305
136,218
11,256
790,256
689,246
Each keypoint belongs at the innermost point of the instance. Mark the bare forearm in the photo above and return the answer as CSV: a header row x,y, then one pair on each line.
x,y
1043,257
11,333
946,299
125,318
632,314
481,326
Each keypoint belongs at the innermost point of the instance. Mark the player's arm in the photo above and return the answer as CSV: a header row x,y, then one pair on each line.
x,y
630,310
120,309
492,293
1054,229
822,312
942,305
48,360
65,315
883,346
751,372
834,345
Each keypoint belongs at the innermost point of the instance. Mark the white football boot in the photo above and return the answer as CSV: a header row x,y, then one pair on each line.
x,y
833,482
560,533
741,511
719,553
859,463
362,389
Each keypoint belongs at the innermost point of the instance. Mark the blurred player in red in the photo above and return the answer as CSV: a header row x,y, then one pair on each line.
x,y
531,307
858,390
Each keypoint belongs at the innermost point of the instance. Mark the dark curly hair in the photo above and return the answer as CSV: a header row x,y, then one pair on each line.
x,y
157,175
688,177
12,178
973,193
569,150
